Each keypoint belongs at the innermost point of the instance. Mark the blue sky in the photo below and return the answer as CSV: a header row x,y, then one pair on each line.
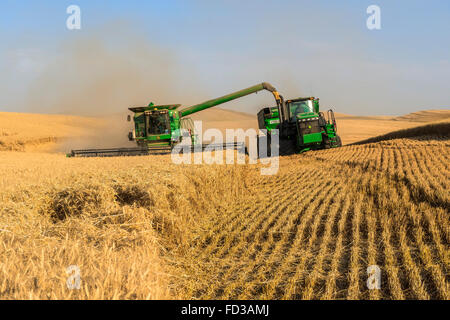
x,y
202,49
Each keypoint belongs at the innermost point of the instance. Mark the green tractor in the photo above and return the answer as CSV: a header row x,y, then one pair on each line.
x,y
301,126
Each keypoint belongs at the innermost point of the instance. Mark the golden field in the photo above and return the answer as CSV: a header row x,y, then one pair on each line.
x,y
145,228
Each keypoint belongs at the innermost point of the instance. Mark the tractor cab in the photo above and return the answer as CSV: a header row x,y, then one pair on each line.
x,y
304,119
301,108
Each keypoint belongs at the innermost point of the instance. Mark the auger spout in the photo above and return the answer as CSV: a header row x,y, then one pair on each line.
x,y
235,95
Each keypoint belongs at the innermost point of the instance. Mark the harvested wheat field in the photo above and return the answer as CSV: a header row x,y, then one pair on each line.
x,y
145,228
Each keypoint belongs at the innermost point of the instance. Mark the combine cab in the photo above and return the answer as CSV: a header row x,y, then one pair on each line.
x,y
160,126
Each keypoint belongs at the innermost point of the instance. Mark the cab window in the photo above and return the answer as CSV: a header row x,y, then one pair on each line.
x,y
299,107
158,123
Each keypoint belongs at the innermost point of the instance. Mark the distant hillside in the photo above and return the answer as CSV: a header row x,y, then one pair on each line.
x,y
439,130
43,132
219,114
222,119
351,128
425,116
24,131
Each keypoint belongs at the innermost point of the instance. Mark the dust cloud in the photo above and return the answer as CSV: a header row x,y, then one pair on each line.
x,y
101,74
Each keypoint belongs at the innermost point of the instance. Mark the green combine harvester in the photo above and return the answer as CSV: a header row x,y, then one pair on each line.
x,y
301,126
158,128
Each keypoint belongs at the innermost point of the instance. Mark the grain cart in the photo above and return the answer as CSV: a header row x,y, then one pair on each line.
x,y
158,128
301,126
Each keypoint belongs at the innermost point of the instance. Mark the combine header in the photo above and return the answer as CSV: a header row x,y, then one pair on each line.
x,y
158,128
116,152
